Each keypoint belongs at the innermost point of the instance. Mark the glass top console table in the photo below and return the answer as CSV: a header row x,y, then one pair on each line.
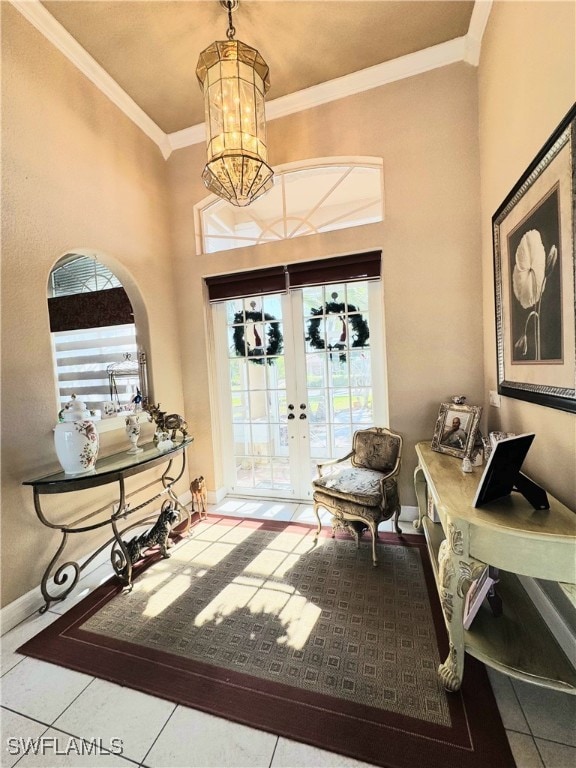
x,y
60,579
507,534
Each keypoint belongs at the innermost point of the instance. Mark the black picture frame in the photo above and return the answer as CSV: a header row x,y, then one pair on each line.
x,y
534,234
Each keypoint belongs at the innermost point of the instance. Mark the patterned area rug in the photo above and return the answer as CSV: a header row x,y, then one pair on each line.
x,y
254,621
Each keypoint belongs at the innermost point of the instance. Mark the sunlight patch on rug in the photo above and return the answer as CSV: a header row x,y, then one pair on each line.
x,y
276,606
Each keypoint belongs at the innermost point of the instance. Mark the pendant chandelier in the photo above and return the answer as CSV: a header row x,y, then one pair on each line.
x,y
234,78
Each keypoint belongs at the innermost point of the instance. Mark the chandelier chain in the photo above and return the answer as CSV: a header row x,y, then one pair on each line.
x,y
231,31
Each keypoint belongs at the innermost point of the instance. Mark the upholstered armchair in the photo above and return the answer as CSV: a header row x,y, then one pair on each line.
x,y
364,493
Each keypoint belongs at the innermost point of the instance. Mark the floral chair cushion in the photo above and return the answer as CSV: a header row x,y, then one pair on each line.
x,y
360,486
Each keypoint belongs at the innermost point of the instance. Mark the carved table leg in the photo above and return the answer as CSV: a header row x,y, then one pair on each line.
x,y
420,488
452,670
456,573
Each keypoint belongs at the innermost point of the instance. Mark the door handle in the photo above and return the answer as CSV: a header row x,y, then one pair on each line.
x,y
291,416
302,416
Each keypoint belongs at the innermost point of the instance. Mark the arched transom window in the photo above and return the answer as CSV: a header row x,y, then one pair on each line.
x,y
319,197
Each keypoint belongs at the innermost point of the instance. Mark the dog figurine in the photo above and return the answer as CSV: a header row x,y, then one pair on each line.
x,y
199,497
157,535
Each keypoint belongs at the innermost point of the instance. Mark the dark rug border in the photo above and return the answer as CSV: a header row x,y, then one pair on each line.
x,y
475,739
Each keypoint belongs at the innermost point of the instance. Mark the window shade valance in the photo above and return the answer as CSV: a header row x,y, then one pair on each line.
x,y
92,309
339,269
252,283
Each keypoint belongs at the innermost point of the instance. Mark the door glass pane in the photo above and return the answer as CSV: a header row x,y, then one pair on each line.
x,y
258,383
318,441
281,473
263,473
240,407
315,370
244,473
338,366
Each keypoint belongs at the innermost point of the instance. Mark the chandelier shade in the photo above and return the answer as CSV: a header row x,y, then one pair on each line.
x,y
234,78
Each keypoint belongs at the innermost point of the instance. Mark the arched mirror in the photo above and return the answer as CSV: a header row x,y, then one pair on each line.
x,y
94,337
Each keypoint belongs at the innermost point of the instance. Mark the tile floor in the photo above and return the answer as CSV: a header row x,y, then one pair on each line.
x,y
72,711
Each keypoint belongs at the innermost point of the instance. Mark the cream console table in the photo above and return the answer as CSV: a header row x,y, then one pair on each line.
x,y
507,534
109,469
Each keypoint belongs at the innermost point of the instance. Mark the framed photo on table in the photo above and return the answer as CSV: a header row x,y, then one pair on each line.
x,y
456,429
534,272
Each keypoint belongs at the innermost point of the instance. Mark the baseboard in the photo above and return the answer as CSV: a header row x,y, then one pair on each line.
x,y
215,497
408,514
24,606
20,609
559,625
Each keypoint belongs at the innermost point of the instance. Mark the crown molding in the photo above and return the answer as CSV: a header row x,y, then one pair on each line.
x,y
478,22
196,134
364,80
39,17
465,48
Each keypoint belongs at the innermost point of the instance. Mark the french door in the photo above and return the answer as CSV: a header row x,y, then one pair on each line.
x,y
296,375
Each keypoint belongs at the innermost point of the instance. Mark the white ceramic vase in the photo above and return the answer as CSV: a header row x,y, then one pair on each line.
x,y
133,432
76,439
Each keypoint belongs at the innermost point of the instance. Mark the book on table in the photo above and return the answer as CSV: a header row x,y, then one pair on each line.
x,y
480,588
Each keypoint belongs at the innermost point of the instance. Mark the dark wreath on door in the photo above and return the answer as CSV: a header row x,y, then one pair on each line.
x,y
353,327
248,341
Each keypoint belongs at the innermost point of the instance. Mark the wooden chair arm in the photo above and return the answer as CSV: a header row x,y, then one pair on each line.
x,y
393,473
331,462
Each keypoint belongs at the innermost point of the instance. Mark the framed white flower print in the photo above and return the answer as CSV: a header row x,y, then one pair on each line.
x,y
534,271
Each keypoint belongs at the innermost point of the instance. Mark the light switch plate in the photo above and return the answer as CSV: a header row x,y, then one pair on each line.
x,y
494,398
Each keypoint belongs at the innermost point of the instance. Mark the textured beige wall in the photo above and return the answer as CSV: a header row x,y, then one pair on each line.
x,y
425,129
75,174
527,83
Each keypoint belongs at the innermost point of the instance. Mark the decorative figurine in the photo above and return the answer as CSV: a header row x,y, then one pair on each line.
x,y
199,496
163,442
158,535
167,422
133,432
137,400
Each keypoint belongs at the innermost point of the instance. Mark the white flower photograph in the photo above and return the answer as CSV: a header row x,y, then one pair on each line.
x,y
535,301
534,271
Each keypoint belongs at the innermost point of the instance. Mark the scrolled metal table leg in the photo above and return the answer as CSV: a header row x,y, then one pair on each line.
x,y
167,483
120,558
119,555
60,576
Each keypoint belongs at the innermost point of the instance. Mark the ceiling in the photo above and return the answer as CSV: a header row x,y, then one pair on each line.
x,y
150,47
